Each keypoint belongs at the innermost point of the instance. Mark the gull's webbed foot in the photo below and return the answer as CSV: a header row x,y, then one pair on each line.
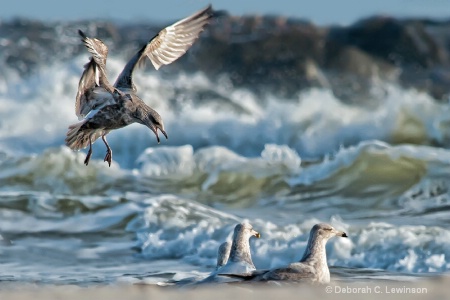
x,y
108,157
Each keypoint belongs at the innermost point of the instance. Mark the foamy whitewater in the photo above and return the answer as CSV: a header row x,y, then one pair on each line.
x,y
161,211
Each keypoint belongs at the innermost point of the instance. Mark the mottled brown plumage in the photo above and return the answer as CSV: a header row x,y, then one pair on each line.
x,y
104,107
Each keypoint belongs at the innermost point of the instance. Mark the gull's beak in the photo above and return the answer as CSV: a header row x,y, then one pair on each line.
x,y
157,136
155,131
153,127
163,132
339,233
256,234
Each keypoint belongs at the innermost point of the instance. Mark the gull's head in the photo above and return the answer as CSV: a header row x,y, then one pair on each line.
x,y
153,121
246,231
326,231
158,124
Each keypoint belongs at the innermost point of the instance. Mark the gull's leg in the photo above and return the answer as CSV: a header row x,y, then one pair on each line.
x,y
88,156
108,156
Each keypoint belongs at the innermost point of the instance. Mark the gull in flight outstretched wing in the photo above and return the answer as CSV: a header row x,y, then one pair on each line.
x,y
103,107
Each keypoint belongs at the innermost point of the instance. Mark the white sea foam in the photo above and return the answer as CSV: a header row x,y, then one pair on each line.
x,y
194,236
232,149
313,124
18,221
401,247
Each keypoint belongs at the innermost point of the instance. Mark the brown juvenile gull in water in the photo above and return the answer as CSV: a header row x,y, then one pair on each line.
x,y
104,107
312,268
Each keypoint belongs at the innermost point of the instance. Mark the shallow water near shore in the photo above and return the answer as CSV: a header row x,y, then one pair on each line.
x,y
428,289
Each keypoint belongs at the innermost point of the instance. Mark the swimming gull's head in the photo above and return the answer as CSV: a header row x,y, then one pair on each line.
x,y
325,232
244,231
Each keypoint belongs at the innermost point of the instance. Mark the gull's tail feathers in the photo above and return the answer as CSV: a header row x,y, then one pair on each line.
x,y
77,138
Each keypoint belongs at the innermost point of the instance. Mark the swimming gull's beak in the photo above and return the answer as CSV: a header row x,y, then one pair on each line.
x,y
343,234
256,234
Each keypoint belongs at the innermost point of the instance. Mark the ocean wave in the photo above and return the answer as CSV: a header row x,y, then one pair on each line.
x,y
175,228
418,249
45,213
208,171
58,170
375,167
374,180
204,112
386,176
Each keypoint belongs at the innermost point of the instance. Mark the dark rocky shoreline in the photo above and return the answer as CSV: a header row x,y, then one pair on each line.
x,y
266,54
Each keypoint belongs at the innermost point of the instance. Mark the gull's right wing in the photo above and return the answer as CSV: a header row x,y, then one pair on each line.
x,y
167,46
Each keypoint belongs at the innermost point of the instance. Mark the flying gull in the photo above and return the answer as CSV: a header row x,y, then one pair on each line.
x,y
103,107
312,268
